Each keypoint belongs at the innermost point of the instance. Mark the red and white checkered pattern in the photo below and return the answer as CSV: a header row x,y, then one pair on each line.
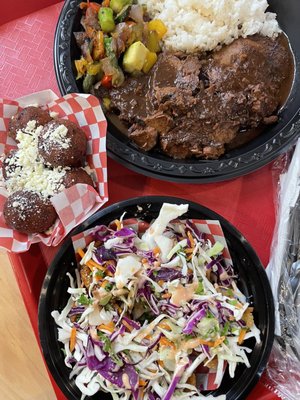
x,y
214,233
213,230
77,203
206,377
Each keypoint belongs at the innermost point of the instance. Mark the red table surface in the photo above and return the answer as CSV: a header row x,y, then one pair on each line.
x,y
26,66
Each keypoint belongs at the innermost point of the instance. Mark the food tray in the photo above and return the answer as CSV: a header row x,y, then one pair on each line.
x,y
27,65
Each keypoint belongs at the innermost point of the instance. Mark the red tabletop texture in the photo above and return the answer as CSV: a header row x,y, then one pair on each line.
x,y
26,66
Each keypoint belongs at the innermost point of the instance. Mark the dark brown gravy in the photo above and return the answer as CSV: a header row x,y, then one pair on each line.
x,y
285,89
203,105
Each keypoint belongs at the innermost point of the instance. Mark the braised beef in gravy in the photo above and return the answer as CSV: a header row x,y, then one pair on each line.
x,y
202,104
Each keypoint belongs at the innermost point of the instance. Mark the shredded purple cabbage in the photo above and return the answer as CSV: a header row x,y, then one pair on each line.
x,y
102,254
76,311
115,334
194,319
134,324
125,233
109,369
195,231
167,274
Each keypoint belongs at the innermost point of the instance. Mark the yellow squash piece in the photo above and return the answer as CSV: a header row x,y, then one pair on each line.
x,y
94,69
151,59
158,26
153,42
81,66
135,57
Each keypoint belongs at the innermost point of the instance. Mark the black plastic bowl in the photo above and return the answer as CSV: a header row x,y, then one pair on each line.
x,y
252,281
260,151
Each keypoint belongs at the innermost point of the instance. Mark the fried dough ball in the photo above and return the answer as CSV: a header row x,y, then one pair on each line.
x,y
10,164
21,119
28,212
62,143
76,175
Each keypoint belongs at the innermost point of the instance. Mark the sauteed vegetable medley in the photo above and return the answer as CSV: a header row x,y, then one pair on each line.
x,y
116,38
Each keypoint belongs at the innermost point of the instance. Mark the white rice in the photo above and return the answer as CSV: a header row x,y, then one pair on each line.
x,y
200,25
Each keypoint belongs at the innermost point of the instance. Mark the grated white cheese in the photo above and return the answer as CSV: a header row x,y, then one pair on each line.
x,y
58,135
29,172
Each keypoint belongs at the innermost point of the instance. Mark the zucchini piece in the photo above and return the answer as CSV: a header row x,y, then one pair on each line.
x,y
118,5
88,82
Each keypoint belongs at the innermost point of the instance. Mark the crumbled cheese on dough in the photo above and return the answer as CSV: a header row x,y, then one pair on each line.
x,y
29,172
58,135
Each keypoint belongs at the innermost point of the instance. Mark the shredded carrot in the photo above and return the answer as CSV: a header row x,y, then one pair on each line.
x,y
160,282
191,238
166,295
242,336
156,251
219,341
108,327
189,250
142,382
206,342
73,339
80,252
192,343
164,325
92,263
144,260
163,341
105,3
161,363
109,273
116,221
104,284
148,337
129,327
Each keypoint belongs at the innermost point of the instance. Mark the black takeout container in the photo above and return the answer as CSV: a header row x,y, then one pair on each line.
x,y
260,151
252,281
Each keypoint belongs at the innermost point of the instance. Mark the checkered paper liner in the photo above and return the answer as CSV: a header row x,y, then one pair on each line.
x,y
77,203
213,231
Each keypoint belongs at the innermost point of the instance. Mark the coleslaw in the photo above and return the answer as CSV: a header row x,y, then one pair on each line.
x,y
146,310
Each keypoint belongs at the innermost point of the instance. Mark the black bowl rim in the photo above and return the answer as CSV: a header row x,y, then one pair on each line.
x,y
204,171
267,345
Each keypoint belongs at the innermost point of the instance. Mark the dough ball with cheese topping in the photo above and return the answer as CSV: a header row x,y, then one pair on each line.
x,y
76,175
62,143
10,165
21,119
28,212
